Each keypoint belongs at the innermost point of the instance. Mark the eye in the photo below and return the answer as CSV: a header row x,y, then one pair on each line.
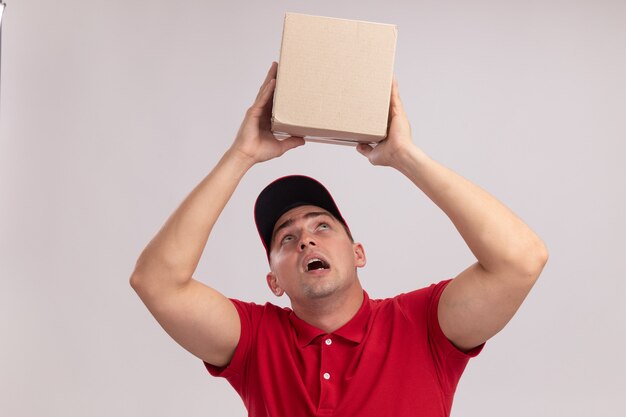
x,y
286,239
323,226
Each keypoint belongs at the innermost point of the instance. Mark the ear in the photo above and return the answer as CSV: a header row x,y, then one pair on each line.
x,y
359,255
273,284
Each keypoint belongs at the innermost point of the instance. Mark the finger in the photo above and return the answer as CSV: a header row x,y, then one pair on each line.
x,y
265,94
392,100
394,87
271,74
395,106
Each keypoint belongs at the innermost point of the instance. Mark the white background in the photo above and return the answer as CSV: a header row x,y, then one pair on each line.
x,y
112,111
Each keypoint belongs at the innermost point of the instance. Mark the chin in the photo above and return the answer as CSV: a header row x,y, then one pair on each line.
x,y
317,292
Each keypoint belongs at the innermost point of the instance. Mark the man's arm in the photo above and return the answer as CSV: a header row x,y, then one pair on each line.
x,y
481,300
199,318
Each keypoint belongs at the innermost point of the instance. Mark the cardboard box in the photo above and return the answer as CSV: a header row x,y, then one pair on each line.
x,y
334,79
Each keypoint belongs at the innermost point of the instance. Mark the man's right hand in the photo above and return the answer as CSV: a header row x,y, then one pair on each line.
x,y
255,141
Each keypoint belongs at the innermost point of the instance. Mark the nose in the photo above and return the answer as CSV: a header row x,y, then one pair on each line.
x,y
306,241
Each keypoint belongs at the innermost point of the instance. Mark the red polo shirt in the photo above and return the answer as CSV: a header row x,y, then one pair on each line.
x,y
391,359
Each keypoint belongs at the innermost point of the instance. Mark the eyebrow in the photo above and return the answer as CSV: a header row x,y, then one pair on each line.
x,y
289,222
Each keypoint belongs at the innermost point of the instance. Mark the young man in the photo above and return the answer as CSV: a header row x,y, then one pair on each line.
x,y
336,351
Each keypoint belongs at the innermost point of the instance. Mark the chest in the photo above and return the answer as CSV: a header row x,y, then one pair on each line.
x,y
390,363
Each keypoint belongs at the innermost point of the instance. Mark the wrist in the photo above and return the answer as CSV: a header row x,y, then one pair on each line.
x,y
409,159
238,159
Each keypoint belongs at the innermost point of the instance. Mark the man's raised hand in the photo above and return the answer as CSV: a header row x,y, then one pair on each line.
x,y
255,140
398,141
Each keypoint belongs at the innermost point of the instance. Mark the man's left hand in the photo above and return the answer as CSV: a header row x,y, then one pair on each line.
x,y
398,142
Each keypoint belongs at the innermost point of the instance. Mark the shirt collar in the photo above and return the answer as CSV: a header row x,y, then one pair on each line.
x,y
354,330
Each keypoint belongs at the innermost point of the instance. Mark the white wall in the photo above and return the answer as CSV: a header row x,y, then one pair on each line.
x,y
112,111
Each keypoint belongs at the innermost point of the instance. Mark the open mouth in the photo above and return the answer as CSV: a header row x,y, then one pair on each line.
x,y
315,264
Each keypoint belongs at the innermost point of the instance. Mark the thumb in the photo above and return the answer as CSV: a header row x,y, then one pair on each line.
x,y
291,142
364,149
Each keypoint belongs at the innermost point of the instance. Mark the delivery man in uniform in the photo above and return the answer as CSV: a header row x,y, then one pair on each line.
x,y
336,351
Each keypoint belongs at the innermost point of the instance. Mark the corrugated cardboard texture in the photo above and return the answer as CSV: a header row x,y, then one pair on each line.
x,y
334,79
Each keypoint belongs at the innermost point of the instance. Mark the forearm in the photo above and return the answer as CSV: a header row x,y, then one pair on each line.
x,y
173,254
500,240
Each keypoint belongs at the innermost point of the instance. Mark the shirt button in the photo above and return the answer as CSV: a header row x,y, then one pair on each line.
x,y
326,376
329,342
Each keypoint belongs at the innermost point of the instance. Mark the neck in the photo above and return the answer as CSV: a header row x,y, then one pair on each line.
x,y
331,313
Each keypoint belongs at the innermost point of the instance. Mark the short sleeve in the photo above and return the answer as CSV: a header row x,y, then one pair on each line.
x,y
421,307
450,360
235,369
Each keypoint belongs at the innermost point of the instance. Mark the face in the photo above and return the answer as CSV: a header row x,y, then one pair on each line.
x,y
312,256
